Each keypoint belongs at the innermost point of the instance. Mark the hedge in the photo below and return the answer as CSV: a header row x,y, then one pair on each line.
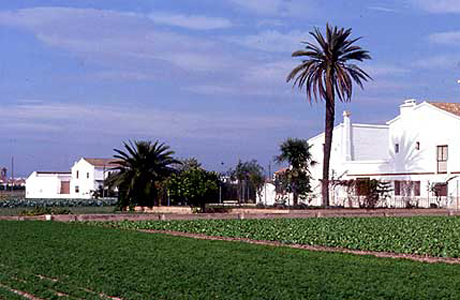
x,y
12,203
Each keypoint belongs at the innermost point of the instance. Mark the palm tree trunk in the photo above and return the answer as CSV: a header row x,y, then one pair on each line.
x,y
329,127
295,195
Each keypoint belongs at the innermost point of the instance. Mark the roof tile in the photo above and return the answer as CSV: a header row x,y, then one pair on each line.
x,y
102,162
453,108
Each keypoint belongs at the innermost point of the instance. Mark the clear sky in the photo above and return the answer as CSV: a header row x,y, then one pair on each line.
x,y
77,78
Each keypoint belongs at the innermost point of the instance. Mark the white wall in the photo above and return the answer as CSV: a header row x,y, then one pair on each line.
x,y
368,142
83,175
268,195
373,150
45,185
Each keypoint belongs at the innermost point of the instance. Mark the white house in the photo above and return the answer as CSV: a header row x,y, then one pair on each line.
x,y
418,153
86,176
48,185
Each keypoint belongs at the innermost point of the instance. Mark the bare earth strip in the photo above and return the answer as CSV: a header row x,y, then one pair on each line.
x,y
21,293
420,258
58,293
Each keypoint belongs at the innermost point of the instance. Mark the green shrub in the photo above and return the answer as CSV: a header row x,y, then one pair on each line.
x,y
37,211
57,202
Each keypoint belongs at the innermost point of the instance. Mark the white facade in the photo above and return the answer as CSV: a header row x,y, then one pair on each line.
x,y
415,151
86,176
48,185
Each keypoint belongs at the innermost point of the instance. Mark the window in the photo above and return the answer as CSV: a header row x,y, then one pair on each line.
x,y
77,174
441,158
417,145
362,186
397,188
396,148
416,188
440,189
407,188
77,189
87,175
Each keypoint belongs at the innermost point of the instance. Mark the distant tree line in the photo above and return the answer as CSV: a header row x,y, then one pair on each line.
x,y
148,174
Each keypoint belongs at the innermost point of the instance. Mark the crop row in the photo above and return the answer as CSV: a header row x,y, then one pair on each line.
x,y
81,261
433,236
12,203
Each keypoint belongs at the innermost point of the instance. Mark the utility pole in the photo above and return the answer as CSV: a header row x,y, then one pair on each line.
x,y
12,172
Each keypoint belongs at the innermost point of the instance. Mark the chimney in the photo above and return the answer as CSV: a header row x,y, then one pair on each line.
x,y
407,107
346,136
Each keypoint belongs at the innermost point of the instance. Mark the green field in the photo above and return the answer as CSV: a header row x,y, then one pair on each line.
x,y
6,211
433,236
81,261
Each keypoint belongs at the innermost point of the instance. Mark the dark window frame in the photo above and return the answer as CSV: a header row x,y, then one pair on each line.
x,y
442,155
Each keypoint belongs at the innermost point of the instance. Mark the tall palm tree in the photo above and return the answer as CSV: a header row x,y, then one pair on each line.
x,y
142,168
297,153
327,70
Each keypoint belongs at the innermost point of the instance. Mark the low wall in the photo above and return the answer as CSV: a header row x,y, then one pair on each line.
x,y
320,213
164,209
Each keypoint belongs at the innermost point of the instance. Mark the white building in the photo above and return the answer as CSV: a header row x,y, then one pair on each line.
x,y
86,176
48,185
418,152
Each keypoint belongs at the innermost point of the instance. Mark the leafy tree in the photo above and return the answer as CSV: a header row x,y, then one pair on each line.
x,y
295,179
188,164
327,70
142,169
193,184
370,192
250,178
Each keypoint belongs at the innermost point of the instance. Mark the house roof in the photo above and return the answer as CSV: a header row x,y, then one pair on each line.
x,y
453,108
53,172
102,162
282,170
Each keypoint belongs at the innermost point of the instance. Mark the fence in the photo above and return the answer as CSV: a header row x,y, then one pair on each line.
x,y
399,202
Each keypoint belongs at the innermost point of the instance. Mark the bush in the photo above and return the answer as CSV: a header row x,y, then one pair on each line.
x,y
37,211
57,202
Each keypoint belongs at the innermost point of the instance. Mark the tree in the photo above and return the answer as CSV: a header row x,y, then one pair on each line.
x,y
189,164
142,170
250,177
327,70
296,179
194,186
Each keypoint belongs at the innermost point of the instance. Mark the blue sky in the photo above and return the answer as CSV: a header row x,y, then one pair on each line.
x,y
207,77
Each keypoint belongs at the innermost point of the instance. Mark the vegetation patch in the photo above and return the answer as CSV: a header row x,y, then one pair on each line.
x,y
12,203
37,211
48,259
432,236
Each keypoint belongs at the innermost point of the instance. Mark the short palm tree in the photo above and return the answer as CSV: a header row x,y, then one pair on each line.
x,y
327,70
297,153
142,168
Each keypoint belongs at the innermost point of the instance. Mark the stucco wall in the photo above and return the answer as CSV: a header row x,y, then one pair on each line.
x,y
39,185
368,142
374,156
85,180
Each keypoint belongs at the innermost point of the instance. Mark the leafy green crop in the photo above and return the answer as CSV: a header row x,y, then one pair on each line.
x,y
52,260
434,236
22,202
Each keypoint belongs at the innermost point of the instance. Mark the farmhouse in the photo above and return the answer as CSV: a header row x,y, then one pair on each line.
x,y
417,153
86,176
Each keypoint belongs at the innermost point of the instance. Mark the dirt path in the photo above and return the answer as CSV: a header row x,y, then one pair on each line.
x,y
420,258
